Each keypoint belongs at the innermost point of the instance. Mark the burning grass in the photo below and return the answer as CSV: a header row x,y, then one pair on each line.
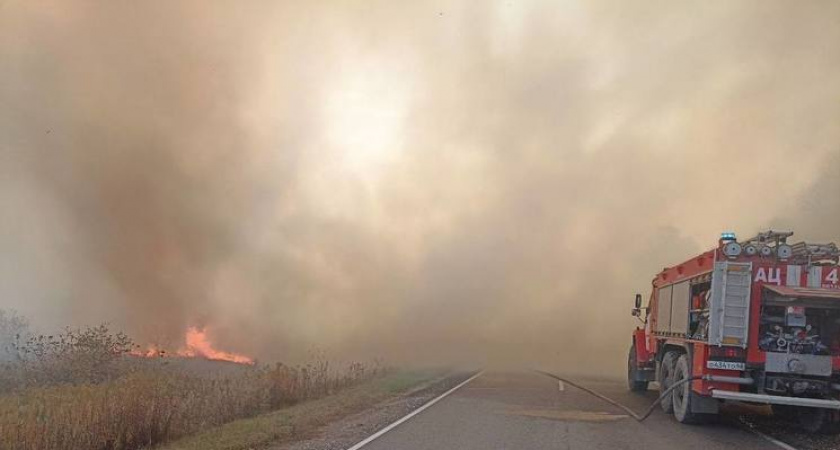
x,y
85,390
196,345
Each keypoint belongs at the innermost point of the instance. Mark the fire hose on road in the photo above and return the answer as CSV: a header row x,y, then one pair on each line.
x,y
629,411
649,411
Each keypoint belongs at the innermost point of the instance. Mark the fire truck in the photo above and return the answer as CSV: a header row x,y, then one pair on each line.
x,y
754,321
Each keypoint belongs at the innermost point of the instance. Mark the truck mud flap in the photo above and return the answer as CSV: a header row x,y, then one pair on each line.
x,y
645,375
701,404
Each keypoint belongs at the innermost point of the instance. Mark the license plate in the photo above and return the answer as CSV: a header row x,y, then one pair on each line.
x,y
725,365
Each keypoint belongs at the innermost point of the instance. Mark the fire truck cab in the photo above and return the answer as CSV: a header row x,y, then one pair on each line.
x,y
754,321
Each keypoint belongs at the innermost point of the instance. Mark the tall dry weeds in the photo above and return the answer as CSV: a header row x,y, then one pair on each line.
x,y
83,390
155,405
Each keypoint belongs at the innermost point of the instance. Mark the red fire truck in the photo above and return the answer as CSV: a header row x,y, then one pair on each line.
x,y
754,321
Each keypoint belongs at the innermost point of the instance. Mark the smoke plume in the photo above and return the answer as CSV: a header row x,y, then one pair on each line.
x,y
419,181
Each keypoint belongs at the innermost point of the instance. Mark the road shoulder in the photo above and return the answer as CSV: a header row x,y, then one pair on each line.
x,y
355,427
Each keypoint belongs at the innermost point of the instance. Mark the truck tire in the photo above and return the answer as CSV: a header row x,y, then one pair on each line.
x,y
683,396
819,420
632,372
666,377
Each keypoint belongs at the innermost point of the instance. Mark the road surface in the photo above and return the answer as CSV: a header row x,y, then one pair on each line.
x,y
530,411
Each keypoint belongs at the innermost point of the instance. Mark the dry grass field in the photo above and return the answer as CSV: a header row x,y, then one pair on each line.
x,y
84,390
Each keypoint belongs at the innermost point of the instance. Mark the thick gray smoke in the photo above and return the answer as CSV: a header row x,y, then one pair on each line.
x,y
444,181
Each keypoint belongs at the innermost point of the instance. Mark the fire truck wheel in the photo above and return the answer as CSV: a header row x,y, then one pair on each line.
x,y
632,382
683,396
818,420
666,377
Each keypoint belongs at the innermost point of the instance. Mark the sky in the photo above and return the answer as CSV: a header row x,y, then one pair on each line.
x,y
430,182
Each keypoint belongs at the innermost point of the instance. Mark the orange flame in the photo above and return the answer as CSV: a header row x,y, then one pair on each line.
x,y
150,352
198,345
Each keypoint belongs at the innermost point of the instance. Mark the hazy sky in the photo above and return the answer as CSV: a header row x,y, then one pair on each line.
x,y
437,181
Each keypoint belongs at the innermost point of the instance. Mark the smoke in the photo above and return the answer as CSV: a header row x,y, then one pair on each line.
x,y
428,182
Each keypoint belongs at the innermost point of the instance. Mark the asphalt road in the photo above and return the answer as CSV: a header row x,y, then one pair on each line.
x,y
529,411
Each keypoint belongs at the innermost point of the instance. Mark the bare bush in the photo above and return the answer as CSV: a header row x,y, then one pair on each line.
x,y
13,328
86,355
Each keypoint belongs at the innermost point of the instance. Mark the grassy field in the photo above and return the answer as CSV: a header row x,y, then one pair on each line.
x,y
150,407
302,420
84,390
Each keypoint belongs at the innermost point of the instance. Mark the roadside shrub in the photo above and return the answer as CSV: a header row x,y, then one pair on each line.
x,y
13,328
85,355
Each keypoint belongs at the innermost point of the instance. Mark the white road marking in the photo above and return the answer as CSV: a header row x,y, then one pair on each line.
x,y
560,386
772,440
379,433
